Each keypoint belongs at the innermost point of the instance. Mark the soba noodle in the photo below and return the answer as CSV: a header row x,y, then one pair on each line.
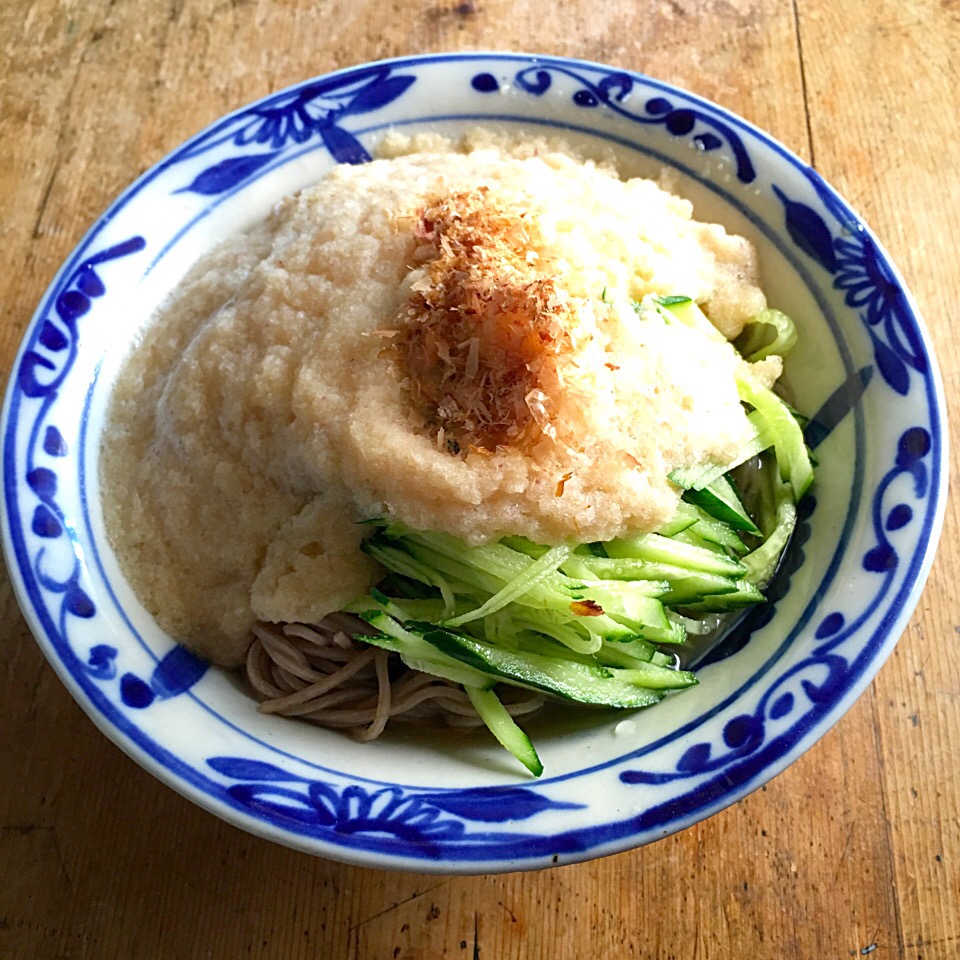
x,y
317,672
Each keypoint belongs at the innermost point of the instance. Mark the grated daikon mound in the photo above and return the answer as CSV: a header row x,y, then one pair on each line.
x,y
446,338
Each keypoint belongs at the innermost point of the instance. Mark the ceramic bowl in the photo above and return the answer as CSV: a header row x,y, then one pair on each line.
x,y
426,801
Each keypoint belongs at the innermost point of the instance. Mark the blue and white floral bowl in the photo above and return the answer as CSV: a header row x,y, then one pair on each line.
x,y
457,804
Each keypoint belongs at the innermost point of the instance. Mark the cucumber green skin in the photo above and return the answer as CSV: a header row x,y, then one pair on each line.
x,y
656,549
792,454
499,722
707,531
420,655
746,595
584,683
721,502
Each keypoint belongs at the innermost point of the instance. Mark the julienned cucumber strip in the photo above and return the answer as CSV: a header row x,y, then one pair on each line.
x,y
762,563
657,549
398,561
572,680
746,595
477,684
792,454
589,568
534,573
755,343
413,647
499,722
722,502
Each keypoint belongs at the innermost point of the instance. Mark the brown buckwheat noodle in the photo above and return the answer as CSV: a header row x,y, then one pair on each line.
x,y
317,672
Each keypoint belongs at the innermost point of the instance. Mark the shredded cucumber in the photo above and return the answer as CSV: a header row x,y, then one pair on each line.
x,y
762,562
595,623
792,454
494,714
756,342
538,570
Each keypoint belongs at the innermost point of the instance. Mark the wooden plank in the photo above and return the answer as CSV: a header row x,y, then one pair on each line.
x,y
892,149
837,854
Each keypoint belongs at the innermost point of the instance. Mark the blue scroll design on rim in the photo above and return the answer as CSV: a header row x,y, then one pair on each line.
x,y
614,90
290,119
821,676
55,561
861,273
42,370
424,817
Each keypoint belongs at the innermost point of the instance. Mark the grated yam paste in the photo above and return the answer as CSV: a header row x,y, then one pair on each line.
x,y
442,337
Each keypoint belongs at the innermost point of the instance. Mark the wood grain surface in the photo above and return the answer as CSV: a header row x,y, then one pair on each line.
x,y
853,851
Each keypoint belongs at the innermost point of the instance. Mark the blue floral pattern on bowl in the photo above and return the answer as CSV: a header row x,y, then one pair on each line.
x,y
770,689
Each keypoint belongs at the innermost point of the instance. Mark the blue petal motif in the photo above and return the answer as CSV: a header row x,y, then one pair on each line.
x,y
134,692
52,338
808,231
343,146
912,447
420,817
101,661
27,378
615,86
239,769
77,602
53,443
743,732
176,673
43,482
494,805
899,516
681,122
228,173
378,93
485,83
89,283
831,624
695,758
707,141
71,305
825,690
782,706
891,367
279,802
880,559
540,83
45,524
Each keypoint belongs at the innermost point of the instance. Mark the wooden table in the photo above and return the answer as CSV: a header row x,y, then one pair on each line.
x,y
853,851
